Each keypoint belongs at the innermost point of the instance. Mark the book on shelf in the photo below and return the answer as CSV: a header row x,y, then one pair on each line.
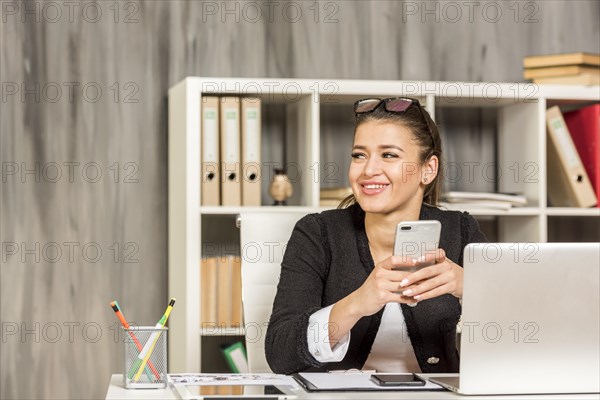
x,y
563,69
332,203
568,182
581,79
208,292
235,355
237,313
337,193
567,70
487,199
479,205
332,197
584,127
552,60
221,292
224,292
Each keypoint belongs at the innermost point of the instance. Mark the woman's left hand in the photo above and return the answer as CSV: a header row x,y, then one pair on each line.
x,y
444,276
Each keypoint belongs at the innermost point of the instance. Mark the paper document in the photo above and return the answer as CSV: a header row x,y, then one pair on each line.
x,y
459,197
232,379
476,205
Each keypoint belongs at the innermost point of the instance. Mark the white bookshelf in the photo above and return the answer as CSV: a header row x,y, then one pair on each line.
x,y
521,139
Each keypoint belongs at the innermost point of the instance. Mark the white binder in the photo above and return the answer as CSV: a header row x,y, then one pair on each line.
x,y
251,153
210,176
231,187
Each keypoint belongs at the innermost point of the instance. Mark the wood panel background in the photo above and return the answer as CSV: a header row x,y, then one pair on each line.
x,y
85,171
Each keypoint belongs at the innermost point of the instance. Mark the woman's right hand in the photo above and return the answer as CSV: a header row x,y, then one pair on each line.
x,y
383,285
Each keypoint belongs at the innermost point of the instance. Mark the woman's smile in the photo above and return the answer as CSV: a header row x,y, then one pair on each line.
x,y
373,188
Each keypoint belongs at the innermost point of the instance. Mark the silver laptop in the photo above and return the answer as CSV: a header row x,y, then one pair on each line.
x,y
531,319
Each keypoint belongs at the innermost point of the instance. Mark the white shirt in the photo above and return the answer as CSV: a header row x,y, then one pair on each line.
x,y
392,350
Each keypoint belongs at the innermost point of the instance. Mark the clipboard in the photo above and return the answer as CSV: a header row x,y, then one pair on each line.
x,y
352,382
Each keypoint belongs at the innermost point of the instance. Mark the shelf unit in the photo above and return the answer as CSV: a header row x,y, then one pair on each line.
x,y
299,109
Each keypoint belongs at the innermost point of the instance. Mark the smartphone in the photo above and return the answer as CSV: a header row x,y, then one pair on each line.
x,y
397,380
415,239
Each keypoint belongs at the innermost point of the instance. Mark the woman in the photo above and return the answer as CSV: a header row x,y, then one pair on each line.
x,y
340,301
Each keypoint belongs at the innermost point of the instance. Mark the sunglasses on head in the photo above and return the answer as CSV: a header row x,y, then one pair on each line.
x,y
396,105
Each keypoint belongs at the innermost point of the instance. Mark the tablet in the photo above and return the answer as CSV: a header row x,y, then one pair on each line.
x,y
221,392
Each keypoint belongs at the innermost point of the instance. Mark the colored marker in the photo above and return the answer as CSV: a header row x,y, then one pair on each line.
x,y
144,355
121,317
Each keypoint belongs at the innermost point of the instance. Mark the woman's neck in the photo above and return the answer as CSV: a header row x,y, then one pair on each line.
x,y
381,231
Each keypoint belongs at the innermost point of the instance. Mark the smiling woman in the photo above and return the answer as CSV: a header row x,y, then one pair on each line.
x,y
344,300
406,137
386,172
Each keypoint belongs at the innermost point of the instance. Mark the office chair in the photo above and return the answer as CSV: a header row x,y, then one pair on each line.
x,y
264,236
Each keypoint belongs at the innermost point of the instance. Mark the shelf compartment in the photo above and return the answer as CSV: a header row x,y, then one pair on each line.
x,y
569,228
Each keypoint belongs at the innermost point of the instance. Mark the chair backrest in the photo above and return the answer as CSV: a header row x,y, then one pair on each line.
x,y
264,236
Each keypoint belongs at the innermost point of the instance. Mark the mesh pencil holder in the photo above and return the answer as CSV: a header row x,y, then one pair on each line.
x,y
145,361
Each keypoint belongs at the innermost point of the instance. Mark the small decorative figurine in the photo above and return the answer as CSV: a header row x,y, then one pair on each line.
x,y
280,188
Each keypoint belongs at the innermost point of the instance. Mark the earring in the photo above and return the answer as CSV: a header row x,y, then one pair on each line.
x,y
425,180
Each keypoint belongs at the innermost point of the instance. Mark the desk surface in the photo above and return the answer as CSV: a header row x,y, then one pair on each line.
x,y
117,391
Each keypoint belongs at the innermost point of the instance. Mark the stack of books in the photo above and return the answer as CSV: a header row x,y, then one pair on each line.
x,y
481,201
221,293
567,69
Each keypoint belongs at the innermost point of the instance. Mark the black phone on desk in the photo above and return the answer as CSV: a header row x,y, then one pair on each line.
x,y
397,380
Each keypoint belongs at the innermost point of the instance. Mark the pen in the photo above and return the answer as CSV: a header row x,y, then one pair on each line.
x,y
121,317
144,355
153,339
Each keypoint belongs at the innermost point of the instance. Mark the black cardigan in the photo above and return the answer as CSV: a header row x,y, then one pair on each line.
x,y
327,258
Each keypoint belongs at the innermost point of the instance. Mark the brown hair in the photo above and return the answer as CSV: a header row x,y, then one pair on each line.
x,y
430,144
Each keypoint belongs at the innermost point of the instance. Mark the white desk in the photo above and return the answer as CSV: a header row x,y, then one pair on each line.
x,y
116,391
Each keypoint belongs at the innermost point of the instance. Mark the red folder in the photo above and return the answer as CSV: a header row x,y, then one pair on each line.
x,y
584,125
